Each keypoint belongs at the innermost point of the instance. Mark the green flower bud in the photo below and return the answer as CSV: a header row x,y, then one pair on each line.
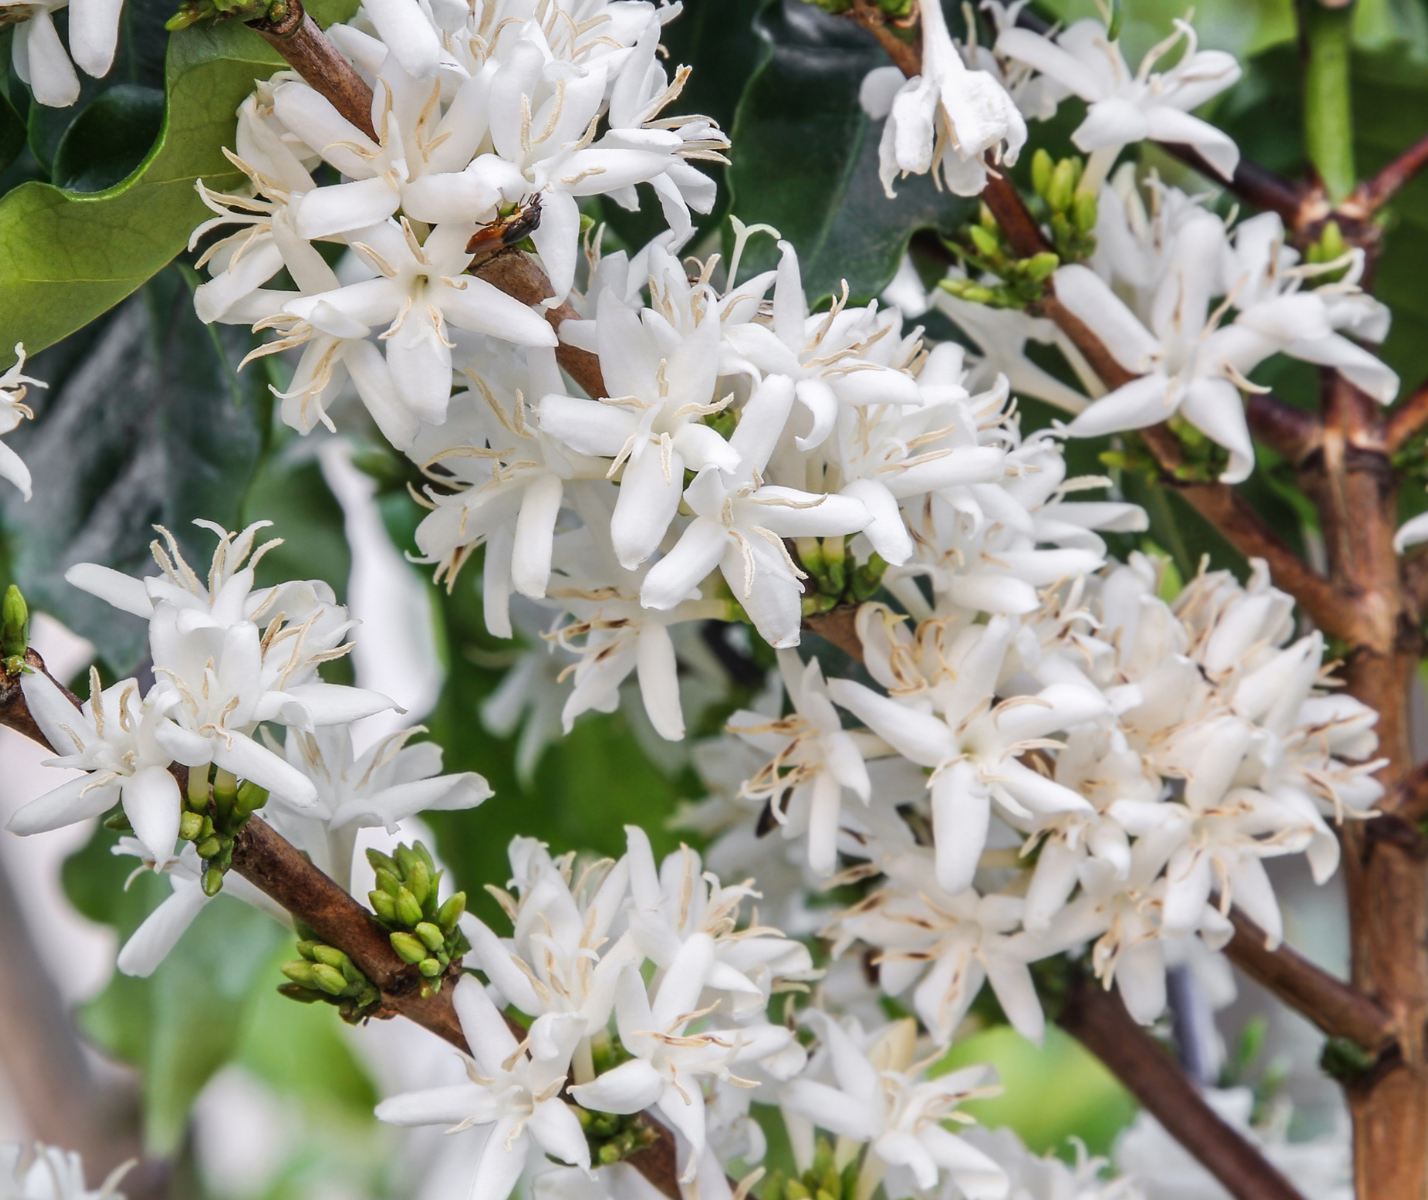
x,y
419,882
14,628
300,972
609,1153
425,855
212,881
388,882
986,242
810,554
1041,168
408,909
329,956
450,910
307,950
329,980
430,968
1040,266
198,788
383,905
406,858
1085,212
795,1190
408,948
383,862
967,290
430,934
209,848
190,826
225,789
251,797
1061,189
1331,245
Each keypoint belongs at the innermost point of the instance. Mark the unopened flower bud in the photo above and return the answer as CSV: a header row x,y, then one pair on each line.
x,y
388,882
406,858
212,881
1062,187
209,848
1040,266
987,243
14,628
225,789
1041,168
329,979
383,862
419,882
300,972
430,934
383,905
408,948
450,910
408,909
251,797
1085,211
328,955
307,949
430,968
190,826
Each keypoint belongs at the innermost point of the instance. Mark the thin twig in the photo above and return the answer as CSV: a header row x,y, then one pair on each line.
x,y
1402,422
1099,1020
906,56
1291,432
1337,1008
312,55
1373,194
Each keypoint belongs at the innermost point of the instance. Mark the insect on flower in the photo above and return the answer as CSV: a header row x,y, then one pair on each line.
x,y
508,229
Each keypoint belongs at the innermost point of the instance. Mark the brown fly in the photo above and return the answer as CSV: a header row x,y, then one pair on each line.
x,y
505,231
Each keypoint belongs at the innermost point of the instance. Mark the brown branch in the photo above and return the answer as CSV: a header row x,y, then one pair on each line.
x,y
906,56
1000,195
1290,432
1415,580
515,274
1373,194
1337,1008
1254,184
277,868
1410,802
1406,419
313,56
1098,1019
837,626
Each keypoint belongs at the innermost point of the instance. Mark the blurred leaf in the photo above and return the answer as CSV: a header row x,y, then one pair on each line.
x,y
109,138
12,132
66,257
299,1049
145,422
806,158
717,39
186,1020
289,491
1050,1092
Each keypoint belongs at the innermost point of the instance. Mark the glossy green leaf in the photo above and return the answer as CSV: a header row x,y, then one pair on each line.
x,y
145,422
109,138
66,257
806,158
12,132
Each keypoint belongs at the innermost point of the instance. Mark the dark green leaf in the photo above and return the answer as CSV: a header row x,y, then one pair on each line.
x,y
145,422
109,138
12,132
806,158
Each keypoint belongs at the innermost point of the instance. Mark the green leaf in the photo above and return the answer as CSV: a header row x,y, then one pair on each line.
x,y
806,158
66,257
145,422
290,491
109,138
12,132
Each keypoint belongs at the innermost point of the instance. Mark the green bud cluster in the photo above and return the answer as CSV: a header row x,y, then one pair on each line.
x,y
191,12
822,1181
422,932
838,578
1328,248
216,810
1017,282
14,630
1070,213
1204,460
325,974
613,1137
